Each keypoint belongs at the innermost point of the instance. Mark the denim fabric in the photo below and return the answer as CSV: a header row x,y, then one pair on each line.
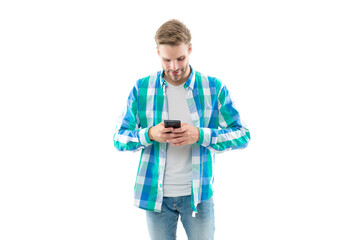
x,y
163,225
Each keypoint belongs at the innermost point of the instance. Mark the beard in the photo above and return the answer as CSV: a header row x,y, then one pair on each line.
x,y
179,76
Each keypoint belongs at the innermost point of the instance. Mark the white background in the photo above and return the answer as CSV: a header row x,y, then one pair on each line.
x,y
292,67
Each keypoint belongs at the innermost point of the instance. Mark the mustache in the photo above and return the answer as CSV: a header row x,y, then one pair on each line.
x,y
180,69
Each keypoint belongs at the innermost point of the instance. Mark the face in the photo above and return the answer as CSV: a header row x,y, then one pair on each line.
x,y
175,62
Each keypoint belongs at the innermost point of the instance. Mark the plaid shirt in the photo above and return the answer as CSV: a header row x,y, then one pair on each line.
x,y
212,111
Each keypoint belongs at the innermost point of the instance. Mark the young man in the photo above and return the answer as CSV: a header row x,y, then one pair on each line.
x,y
175,174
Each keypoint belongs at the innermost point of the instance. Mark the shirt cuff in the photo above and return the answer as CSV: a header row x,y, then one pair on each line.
x,y
204,137
144,138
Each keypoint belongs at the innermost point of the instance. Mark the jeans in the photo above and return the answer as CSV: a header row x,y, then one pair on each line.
x,y
162,226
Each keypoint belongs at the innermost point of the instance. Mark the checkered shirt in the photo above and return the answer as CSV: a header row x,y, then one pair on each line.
x,y
212,112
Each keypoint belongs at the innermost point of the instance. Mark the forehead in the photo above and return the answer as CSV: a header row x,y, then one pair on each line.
x,y
171,52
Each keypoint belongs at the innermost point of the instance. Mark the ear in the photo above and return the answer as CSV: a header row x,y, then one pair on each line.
x,y
190,48
158,51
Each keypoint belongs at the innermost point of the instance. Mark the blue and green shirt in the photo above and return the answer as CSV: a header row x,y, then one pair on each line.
x,y
212,111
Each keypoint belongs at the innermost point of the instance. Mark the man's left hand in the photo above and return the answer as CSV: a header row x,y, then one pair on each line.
x,y
186,134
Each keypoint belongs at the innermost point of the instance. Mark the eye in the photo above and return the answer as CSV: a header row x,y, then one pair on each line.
x,y
180,59
166,60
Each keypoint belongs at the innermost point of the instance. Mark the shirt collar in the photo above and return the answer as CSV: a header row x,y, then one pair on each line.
x,y
188,84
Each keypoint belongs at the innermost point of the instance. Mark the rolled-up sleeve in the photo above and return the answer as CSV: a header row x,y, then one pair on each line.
x,y
232,133
129,136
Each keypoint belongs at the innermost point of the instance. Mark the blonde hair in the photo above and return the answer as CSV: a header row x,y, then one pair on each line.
x,y
173,32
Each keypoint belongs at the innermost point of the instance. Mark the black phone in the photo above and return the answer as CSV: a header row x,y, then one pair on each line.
x,y
172,123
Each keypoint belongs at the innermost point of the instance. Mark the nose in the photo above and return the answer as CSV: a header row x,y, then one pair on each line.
x,y
174,65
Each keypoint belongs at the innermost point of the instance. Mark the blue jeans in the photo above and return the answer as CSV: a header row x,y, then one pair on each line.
x,y
162,226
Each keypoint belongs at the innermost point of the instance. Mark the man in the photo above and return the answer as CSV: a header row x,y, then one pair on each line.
x,y
175,174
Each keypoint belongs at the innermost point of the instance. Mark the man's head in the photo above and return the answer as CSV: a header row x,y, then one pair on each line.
x,y
173,32
173,41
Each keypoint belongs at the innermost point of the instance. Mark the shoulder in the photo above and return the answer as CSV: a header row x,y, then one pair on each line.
x,y
211,81
148,81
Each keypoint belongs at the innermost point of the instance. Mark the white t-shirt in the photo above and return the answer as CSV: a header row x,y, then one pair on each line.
x,y
178,171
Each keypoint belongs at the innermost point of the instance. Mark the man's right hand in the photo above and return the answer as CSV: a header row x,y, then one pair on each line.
x,y
159,133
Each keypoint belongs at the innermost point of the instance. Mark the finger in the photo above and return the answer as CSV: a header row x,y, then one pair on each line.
x,y
180,143
167,130
176,140
175,135
179,130
168,135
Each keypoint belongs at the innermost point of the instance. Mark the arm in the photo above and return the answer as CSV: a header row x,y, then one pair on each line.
x,y
129,136
232,133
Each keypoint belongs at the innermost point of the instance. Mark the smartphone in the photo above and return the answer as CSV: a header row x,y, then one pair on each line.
x,y
172,123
